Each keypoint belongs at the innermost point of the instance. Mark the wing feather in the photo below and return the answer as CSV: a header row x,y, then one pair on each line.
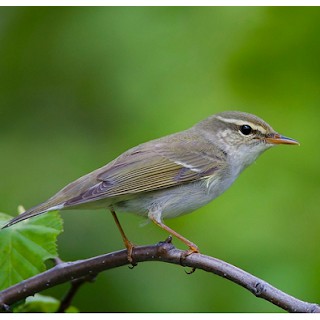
x,y
163,163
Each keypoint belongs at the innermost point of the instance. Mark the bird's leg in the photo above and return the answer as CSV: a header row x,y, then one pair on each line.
x,y
128,244
192,247
155,217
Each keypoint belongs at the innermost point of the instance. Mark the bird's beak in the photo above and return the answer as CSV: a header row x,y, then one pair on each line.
x,y
279,139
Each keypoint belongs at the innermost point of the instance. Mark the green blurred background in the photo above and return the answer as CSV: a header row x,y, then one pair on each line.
x,y
79,86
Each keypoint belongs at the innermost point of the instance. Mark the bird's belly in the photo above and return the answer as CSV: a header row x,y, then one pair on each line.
x,y
174,201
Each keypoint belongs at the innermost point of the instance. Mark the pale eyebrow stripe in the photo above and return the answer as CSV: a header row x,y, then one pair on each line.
x,y
241,123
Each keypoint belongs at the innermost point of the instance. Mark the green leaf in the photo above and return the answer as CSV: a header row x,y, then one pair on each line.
x,y
26,245
41,303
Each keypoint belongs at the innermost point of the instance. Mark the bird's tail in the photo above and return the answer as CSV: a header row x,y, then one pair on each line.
x,y
32,212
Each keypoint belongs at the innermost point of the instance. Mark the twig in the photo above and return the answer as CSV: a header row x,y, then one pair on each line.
x,y
165,252
74,288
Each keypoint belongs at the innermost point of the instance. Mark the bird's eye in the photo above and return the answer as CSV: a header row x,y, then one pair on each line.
x,y
245,129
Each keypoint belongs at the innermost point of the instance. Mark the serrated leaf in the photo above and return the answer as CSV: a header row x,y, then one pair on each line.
x,y
41,303
26,245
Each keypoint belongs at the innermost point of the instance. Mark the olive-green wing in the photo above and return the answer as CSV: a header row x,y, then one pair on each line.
x,y
153,166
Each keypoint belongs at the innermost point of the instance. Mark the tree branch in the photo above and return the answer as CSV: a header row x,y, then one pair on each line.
x,y
163,251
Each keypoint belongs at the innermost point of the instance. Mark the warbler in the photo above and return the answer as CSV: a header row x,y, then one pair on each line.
x,y
172,175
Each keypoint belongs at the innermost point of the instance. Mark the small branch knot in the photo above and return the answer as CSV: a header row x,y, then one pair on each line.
x,y
165,246
258,289
168,240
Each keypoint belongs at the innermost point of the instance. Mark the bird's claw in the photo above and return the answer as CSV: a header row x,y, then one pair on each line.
x,y
185,254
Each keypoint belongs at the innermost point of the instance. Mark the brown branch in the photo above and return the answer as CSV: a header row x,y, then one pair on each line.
x,y
165,252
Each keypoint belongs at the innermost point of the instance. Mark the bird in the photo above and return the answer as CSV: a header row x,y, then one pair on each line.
x,y
169,176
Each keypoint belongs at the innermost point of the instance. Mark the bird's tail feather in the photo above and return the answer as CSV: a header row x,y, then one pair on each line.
x,y
32,212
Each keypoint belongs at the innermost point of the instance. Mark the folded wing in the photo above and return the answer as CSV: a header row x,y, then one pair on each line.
x,y
153,166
